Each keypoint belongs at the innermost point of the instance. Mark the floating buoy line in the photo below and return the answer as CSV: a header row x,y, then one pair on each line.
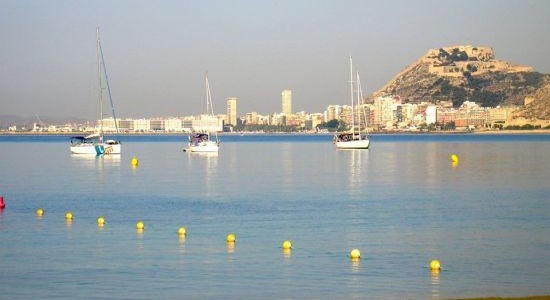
x,y
231,238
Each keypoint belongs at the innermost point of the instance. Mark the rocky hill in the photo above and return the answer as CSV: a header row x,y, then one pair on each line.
x,y
537,108
462,73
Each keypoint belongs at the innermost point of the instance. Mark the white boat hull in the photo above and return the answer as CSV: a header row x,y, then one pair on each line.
x,y
95,149
355,144
209,146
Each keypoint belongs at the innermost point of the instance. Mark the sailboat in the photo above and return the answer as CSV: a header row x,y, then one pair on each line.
x,y
202,141
355,139
94,143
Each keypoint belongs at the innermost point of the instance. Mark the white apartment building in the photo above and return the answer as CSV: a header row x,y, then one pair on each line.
x,y
173,125
316,119
333,112
207,123
383,110
431,114
278,119
142,125
251,118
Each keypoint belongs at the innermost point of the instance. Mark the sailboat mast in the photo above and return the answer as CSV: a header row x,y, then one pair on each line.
x,y
209,107
360,107
356,111
207,85
108,86
351,95
100,99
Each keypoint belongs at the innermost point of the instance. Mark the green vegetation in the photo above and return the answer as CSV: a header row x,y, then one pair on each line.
x,y
438,126
449,126
523,127
534,79
333,125
488,90
459,95
455,55
471,68
478,82
487,99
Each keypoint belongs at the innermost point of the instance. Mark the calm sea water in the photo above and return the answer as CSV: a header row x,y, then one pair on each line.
x,y
401,203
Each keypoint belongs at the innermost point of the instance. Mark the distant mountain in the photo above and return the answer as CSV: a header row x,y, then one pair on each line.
x,y
467,73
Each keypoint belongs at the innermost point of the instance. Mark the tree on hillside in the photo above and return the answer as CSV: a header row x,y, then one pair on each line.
x,y
332,125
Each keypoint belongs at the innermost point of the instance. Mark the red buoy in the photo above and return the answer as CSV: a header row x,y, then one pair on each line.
x,y
2,204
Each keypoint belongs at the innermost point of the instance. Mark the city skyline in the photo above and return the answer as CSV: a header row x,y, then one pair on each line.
x,y
157,53
385,113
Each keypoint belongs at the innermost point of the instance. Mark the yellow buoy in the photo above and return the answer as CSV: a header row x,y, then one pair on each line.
x,y
287,245
100,221
454,158
140,225
355,254
134,161
435,265
231,238
182,231
39,212
69,215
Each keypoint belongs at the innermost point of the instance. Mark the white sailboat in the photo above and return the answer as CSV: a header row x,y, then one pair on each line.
x,y
355,139
94,144
202,141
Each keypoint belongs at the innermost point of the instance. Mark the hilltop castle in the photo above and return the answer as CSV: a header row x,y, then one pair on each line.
x,y
455,61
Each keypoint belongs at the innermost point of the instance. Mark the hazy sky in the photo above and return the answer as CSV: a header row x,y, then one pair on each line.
x,y
157,52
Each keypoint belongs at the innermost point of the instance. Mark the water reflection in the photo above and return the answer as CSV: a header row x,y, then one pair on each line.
x,y
98,164
355,281
69,226
287,163
203,154
355,265
95,161
434,274
286,253
207,161
230,247
357,162
181,244
139,241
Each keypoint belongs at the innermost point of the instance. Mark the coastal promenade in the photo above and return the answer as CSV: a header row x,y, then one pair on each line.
x,y
68,134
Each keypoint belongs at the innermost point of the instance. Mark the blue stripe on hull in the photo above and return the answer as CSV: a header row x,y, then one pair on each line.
x,y
99,149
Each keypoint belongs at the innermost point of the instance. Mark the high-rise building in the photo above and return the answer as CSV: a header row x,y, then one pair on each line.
x,y
431,114
286,98
232,111
383,110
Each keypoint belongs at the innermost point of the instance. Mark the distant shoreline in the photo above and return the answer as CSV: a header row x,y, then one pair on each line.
x,y
545,297
475,132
